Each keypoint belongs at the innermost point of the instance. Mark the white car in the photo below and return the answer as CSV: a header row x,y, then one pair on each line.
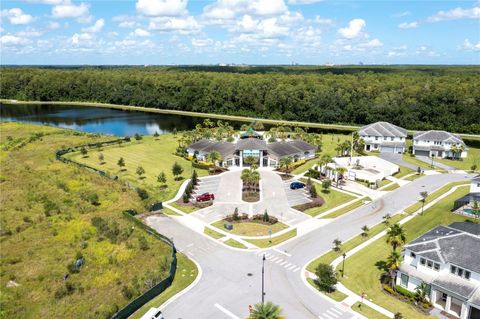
x,y
153,313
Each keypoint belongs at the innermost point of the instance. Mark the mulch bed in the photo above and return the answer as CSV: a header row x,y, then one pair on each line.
x,y
316,202
194,204
249,196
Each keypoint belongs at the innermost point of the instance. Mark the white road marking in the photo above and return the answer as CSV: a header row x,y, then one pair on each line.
x,y
278,261
326,315
282,252
291,267
337,311
332,313
297,269
291,221
225,311
189,245
287,265
283,263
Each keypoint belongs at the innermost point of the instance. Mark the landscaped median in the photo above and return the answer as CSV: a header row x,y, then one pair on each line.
x,y
266,242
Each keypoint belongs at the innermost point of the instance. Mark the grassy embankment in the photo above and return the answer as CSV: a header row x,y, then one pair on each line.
x,y
332,199
250,228
264,243
51,214
154,154
363,273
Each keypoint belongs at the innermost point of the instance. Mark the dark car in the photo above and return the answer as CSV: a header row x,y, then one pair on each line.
x,y
205,197
297,185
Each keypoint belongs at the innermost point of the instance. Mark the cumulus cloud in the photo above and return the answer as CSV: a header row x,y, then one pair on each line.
x,y
267,7
353,30
469,46
374,43
81,38
161,8
125,21
141,33
13,40
303,1
456,14
17,16
96,27
52,25
202,42
408,25
182,25
68,9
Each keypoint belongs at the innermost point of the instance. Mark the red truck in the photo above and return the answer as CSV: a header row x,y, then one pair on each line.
x,y
205,197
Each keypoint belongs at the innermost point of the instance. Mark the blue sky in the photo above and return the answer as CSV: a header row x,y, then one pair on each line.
x,y
239,31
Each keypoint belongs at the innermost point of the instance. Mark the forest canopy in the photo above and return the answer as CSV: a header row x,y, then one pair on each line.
x,y
417,98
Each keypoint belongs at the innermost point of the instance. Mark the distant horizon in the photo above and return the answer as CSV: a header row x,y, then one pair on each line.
x,y
238,64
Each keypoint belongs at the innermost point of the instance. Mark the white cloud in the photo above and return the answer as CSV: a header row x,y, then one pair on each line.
x,y
374,43
29,32
53,25
467,45
202,42
402,14
81,38
353,30
125,21
67,9
50,2
267,7
408,25
161,8
141,33
303,1
96,27
455,14
182,25
323,21
12,40
17,16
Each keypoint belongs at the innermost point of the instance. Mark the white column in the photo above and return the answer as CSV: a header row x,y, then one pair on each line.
x,y
241,158
448,303
464,311
261,158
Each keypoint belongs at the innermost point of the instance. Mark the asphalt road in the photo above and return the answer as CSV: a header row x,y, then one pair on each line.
x,y
231,279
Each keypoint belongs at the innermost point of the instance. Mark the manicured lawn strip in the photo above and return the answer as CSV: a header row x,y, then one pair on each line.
x,y
186,273
212,233
404,171
413,177
473,157
362,274
368,312
330,256
346,209
305,166
250,228
412,160
336,295
170,212
154,154
234,243
263,243
413,208
184,208
332,199
384,182
391,187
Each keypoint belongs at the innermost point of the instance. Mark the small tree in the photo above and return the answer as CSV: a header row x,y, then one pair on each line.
x,y
156,134
121,163
326,185
194,178
84,151
473,167
266,218
396,236
138,137
421,292
337,245
186,197
313,191
266,310
398,315
365,231
140,171
162,178
236,216
423,198
419,170
101,158
386,219
177,170
326,278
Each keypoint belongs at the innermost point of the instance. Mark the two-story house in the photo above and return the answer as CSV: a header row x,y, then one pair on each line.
x,y
438,144
447,258
384,137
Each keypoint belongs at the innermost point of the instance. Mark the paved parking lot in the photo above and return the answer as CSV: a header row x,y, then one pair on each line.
x,y
207,184
297,196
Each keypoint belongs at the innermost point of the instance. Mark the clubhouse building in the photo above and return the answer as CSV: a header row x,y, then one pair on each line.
x,y
267,154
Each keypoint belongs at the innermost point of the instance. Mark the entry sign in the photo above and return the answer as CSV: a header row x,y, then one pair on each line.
x,y
270,231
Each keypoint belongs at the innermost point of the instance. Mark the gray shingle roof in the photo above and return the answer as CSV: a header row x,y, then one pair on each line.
x,y
434,135
302,145
224,148
282,149
456,285
467,227
382,129
251,143
475,299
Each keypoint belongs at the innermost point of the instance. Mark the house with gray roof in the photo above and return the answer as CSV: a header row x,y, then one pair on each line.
x,y
440,144
384,137
267,154
447,259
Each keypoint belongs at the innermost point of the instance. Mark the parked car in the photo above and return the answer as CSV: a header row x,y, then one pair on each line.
x,y
296,185
205,197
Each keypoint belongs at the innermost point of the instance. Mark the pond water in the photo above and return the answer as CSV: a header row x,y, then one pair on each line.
x,y
97,120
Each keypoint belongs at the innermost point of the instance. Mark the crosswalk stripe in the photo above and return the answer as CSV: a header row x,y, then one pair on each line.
x,y
280,260
319,316
337,311
267,254
283,263
275,259
269,257
326,315
332,313
297,269
287,265
291,267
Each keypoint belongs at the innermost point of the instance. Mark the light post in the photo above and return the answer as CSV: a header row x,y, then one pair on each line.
x,y
263,279
343,264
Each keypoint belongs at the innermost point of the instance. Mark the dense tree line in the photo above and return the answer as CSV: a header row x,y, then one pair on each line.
x,y
415,98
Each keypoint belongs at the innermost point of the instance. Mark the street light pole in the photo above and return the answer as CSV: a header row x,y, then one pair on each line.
x,y
343,265
263,279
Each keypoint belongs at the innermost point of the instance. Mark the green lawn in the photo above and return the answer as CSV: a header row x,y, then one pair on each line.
x,y
473,157
346,209
368,312
336,295
413,177
154,154
185,208
404,171
168,211
234,243
212,233
264,243
412,160
391,187
331,255
250,228
305,166
362,275
186,273
432,196
332,198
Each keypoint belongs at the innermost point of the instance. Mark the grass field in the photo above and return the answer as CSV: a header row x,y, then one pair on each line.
x,y
367,311
154,154
336,295
185,208
332,198
346,209
250,228
212,233
264,243
473,157
404,171
233,243
412,160
362,274
46,223
413,177
391,187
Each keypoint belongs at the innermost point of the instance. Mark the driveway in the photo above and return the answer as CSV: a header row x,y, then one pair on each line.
x,y
428,160
398,159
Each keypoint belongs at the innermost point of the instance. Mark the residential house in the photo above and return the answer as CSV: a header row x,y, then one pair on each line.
x,y
384,137
440,144
447,258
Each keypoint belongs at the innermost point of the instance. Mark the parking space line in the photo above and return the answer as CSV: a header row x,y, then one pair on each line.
x,y
225,311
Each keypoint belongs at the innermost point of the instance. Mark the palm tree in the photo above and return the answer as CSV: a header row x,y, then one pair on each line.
x,y
421,292
250,160
393,262
337,245
267,310
396,236
365,231
286,162
213,157
423,199
340,172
